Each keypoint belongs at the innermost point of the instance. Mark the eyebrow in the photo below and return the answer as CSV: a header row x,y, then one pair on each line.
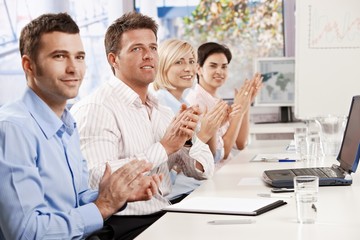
x,y
66,52
219,63
142,44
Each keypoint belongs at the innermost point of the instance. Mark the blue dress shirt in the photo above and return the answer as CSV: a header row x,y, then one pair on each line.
x,y
44,191
167,99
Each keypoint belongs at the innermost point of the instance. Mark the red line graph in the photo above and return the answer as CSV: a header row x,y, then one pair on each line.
x,y
334,33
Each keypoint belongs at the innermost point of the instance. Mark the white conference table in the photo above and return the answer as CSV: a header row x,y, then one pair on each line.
x,y
338,206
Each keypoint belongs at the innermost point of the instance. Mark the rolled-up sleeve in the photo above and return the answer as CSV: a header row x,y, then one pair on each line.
x,y
199,152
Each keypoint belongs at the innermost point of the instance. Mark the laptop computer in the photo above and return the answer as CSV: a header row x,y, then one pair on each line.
x,y
328,176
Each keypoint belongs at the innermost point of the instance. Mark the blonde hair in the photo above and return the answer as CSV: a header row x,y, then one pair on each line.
x,y
170,51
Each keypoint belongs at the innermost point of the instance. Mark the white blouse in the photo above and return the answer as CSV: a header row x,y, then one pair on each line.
x,y
205,101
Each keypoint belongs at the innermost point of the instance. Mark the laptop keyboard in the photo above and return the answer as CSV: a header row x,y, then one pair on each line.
x,y
315,172
331,172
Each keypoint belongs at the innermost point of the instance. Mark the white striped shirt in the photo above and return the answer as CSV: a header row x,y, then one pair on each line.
x,y
115,127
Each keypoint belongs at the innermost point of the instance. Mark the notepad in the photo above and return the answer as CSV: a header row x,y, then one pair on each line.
x,y
222,205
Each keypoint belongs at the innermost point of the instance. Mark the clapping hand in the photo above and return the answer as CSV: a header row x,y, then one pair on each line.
x,y
256,82
127,183
181,129
242,99
212,120
145,188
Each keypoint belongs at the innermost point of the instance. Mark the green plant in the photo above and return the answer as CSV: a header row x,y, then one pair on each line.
x,y
250,29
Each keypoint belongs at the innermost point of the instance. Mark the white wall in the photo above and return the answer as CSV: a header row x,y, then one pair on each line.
x,y
327,59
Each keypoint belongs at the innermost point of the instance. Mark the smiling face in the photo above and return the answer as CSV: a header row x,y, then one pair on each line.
x,y
136,63
182,72
214,72
58,70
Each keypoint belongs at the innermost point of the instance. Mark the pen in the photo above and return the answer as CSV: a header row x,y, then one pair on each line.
x,y
282,190
269,195
287,160
277,160
233,221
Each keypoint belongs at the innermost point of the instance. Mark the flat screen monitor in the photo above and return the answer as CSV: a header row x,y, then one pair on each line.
x,y
278,81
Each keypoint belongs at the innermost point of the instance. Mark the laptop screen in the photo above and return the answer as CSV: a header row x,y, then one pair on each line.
x,y
349,151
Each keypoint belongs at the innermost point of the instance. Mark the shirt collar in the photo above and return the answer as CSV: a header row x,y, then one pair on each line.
x,y
129,96
46,119
206,94
170,100
151,100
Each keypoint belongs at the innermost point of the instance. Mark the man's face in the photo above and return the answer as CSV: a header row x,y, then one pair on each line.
x,y
59,68
136,64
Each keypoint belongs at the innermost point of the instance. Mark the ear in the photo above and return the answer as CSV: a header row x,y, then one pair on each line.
x,y
199,70
26,64
111,59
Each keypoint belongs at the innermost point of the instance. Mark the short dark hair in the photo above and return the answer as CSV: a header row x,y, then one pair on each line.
x,y
209,48
128,21
31,34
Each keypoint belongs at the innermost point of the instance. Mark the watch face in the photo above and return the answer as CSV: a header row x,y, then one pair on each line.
x,y
188,143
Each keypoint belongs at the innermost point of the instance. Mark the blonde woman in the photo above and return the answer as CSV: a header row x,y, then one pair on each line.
x,y
176,73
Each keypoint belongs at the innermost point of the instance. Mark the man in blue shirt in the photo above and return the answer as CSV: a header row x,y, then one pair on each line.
x,y
44,189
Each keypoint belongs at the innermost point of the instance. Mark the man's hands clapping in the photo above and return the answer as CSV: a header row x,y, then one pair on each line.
x,y
127,183
181,129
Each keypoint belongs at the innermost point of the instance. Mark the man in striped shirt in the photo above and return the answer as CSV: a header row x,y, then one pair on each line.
x,y
122,121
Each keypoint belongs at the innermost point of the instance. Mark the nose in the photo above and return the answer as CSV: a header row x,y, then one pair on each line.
x,y
190,67
148,54
218,70
71,65
187,67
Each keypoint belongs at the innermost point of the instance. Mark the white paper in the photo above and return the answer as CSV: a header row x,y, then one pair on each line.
x,y
273,157
242,206
291,147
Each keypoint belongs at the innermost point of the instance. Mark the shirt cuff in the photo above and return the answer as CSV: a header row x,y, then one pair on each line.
x,y
91,218
200,151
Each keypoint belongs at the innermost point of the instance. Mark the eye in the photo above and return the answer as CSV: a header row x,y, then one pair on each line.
x,y
59,56
178,62
191,61
153,48
81,57
136,49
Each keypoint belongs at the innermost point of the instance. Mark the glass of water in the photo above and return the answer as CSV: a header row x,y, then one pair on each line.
x,y
301,142
306,194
